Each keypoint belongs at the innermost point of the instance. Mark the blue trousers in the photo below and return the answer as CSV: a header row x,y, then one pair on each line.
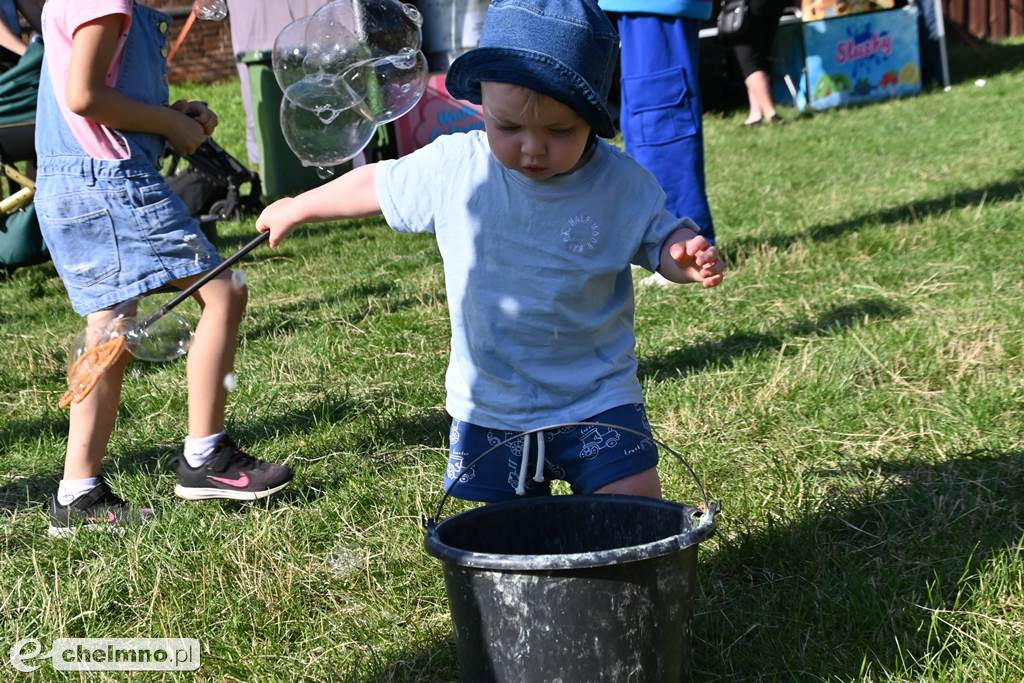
x,y
661,110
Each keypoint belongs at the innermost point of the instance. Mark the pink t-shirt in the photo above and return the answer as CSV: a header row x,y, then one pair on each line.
x,y
61,18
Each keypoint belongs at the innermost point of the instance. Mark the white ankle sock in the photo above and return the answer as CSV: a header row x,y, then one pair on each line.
x,y
70,489
198,451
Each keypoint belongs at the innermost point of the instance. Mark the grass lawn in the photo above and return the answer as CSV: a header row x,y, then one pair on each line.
x,y
853,393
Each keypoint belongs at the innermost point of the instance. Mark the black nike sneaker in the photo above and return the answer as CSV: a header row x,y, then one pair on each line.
x,y
230,473
98,509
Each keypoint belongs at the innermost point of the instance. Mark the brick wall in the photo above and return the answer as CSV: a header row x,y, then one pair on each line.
x,y
206,54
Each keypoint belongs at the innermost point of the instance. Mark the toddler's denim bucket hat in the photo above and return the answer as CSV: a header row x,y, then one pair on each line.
x,y
565,49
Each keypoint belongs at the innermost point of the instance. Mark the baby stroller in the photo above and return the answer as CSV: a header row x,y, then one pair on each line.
x,y
211,185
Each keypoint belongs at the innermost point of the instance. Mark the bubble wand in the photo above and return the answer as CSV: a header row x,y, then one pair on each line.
x,y
85,373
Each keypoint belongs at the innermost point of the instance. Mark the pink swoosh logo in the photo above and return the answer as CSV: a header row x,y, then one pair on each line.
x,y
239,483
110,519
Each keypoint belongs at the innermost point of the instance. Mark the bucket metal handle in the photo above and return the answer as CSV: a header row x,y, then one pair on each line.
x,y
707,510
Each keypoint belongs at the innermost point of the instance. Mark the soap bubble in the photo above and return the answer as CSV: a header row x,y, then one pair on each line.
x,y
211,10
237,279
324,173
350,67
390,86
230,381
326,136
289,53
122,322
85,340
165,339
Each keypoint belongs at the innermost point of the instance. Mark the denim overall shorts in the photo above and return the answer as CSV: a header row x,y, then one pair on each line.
x,y
114,228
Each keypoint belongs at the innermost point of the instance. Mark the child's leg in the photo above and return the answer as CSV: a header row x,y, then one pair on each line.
x,y
92,419
646,483
211,355
212,466
83,499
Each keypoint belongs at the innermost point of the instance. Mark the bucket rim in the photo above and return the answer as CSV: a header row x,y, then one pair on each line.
x,y
703,528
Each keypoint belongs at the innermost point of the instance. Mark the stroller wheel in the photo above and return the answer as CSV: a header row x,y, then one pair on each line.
x,y
220,209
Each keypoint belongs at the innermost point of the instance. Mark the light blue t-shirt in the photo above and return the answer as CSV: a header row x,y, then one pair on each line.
x,y
537,275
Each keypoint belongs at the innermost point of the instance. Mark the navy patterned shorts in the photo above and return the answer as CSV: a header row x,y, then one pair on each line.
x,y
587,457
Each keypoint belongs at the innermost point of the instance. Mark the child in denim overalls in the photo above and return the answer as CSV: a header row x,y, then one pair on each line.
x,y
537,222
116,231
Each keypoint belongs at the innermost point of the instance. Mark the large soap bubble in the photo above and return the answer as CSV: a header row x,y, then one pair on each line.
x,y
323,135
289,53
350,67
167,337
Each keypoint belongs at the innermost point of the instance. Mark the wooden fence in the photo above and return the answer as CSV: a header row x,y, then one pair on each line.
x,y
992,19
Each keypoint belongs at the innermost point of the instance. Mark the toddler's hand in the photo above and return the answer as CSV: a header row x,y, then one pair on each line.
x,y
699,260
198,111
277,220
185,134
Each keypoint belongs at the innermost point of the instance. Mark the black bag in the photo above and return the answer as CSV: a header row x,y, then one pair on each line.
x,y
734,20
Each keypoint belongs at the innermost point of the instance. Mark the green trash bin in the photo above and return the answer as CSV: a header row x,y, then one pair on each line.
x,y
281,172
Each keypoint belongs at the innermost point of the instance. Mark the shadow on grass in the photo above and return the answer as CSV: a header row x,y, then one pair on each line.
x,y
849,591
856,584
737,251
422,662
35,490
383,441
980,59
297,315
726,351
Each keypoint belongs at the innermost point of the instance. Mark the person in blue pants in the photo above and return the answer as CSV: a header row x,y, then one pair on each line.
x,y
660,114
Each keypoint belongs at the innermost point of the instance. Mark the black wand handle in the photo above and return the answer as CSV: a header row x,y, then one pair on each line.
x,y
194,287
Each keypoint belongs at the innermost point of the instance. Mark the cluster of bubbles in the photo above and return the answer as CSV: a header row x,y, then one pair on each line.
x,y
351,66
211,10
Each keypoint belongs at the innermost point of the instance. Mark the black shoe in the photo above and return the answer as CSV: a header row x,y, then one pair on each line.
x,y
230,473
98,510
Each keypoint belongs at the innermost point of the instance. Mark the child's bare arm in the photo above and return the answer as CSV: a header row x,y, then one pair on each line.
x,y
352,195
688,257
88,95
11,40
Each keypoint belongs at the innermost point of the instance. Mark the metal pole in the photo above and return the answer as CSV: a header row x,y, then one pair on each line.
x,y
940,26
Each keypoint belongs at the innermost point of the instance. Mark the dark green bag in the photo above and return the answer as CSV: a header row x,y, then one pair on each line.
x,y
19,87
21,243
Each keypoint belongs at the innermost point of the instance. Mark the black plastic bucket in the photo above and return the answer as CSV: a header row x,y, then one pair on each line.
x,y
572,588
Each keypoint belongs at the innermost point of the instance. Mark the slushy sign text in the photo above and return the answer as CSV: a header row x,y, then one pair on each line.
x,y
851,50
